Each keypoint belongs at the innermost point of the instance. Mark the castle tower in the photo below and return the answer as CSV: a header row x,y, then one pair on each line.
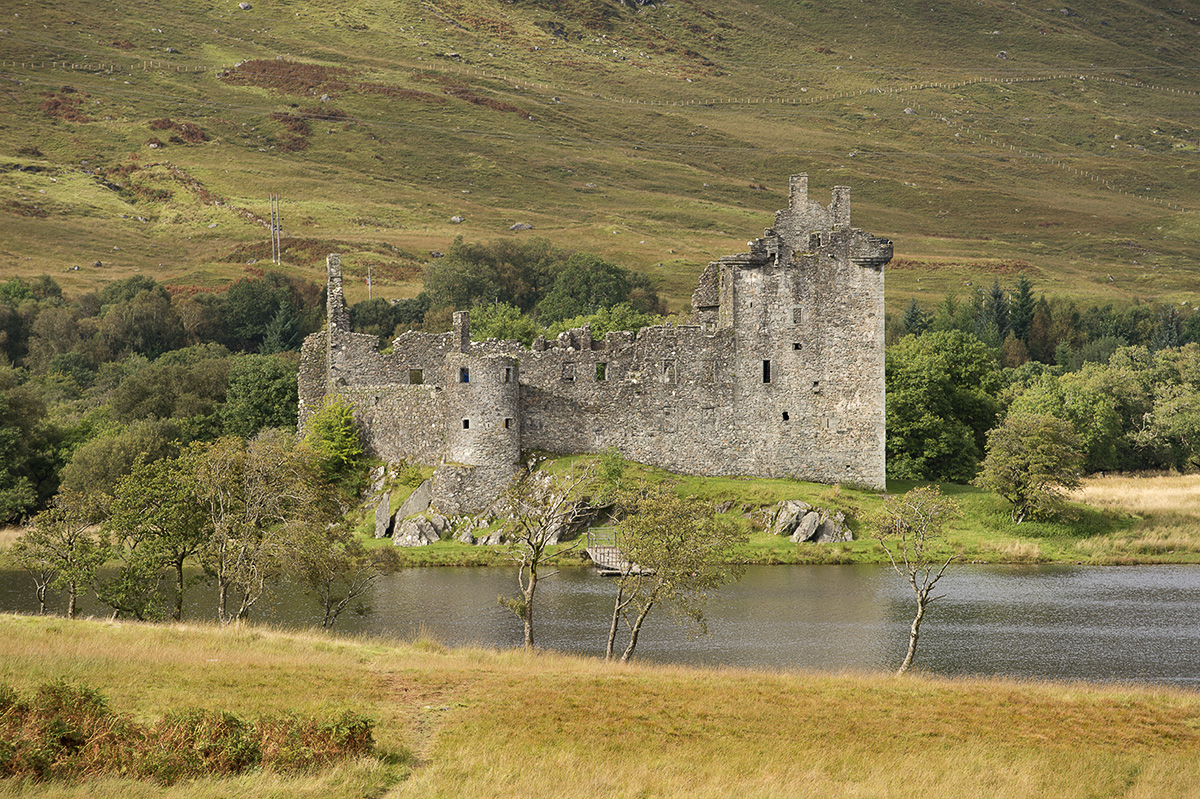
x,y
483,426
805,308
483,405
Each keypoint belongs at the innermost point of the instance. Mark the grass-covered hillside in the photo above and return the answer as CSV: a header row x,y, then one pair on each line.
x,y
984,138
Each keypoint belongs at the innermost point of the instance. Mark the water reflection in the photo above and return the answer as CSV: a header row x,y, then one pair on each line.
x,y
1060,622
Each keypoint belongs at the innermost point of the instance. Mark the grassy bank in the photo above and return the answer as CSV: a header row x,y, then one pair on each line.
x,y
1112,520
472,722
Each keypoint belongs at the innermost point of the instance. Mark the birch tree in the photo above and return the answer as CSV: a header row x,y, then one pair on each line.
x,y
908,528
62,540
249,491
539,507
676,551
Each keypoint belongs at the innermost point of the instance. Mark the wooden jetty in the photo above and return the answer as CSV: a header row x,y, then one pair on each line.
x,y
607,556
609,560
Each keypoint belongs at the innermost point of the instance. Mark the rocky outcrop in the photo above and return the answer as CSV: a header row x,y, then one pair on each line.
x,y
419,531
383,519
417,502
802,522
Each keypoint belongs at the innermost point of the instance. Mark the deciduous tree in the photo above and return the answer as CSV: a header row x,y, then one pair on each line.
x,y
62,540
1031,459
539,507
676,551
908,528
941,401
333,438
334,565
249,492
155,512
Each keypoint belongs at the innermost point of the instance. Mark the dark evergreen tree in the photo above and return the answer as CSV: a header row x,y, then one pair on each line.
x,y
282,333
1021,308
997,307
915,321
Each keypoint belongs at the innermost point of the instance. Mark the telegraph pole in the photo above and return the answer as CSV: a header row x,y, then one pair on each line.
x,y
276,231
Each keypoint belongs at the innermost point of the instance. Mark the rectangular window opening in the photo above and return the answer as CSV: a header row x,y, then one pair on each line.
x,y
416,377
766,371
466,424
508,423
785,416
508,374
796,346
464,374
601,371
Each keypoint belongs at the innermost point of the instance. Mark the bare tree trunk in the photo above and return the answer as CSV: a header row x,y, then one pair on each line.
x,y
634,630
222,600
178,612
612,627
527,611
71,599
914,633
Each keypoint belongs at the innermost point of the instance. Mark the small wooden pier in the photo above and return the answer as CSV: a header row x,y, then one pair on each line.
x,y
606,556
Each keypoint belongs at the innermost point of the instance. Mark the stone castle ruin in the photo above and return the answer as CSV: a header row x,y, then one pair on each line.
x,y
778,374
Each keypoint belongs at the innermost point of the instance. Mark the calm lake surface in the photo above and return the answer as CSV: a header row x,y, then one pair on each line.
x,y
1133,623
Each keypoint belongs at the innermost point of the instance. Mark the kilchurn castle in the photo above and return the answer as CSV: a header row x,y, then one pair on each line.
x,y
778,374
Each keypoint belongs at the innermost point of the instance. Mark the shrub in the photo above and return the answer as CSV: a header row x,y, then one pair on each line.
x,y
68,732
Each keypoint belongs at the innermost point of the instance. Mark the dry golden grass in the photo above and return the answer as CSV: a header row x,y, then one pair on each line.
x,y
1169,511
1170,495
1011,550
8,535
472,722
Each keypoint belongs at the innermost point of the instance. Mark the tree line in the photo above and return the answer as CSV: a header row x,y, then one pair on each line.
x,y
1104,390
517,289
245,511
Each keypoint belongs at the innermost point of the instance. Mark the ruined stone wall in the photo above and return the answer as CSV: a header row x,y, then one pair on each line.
x,y
781,374
661,399
400,422
313,378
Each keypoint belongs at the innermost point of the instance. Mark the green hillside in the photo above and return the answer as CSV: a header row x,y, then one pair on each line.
x,y
985,138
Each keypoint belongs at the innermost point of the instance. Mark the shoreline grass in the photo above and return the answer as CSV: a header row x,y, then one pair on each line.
x,y
476,722
1110,521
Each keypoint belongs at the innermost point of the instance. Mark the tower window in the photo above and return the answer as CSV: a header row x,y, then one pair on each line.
x,y
466,424
796,346
416,377
766,371
785,416
508,374
601,371
508,423
464,374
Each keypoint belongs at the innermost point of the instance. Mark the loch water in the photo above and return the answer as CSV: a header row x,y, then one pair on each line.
x,y
1128,623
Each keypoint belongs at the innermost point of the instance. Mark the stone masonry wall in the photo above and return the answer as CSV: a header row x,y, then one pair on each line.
x,y
781,374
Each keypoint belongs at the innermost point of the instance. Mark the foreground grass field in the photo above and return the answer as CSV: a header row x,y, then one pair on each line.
x,y
472,722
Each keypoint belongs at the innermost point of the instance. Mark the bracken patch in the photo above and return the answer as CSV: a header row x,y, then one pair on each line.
x,y
68,732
